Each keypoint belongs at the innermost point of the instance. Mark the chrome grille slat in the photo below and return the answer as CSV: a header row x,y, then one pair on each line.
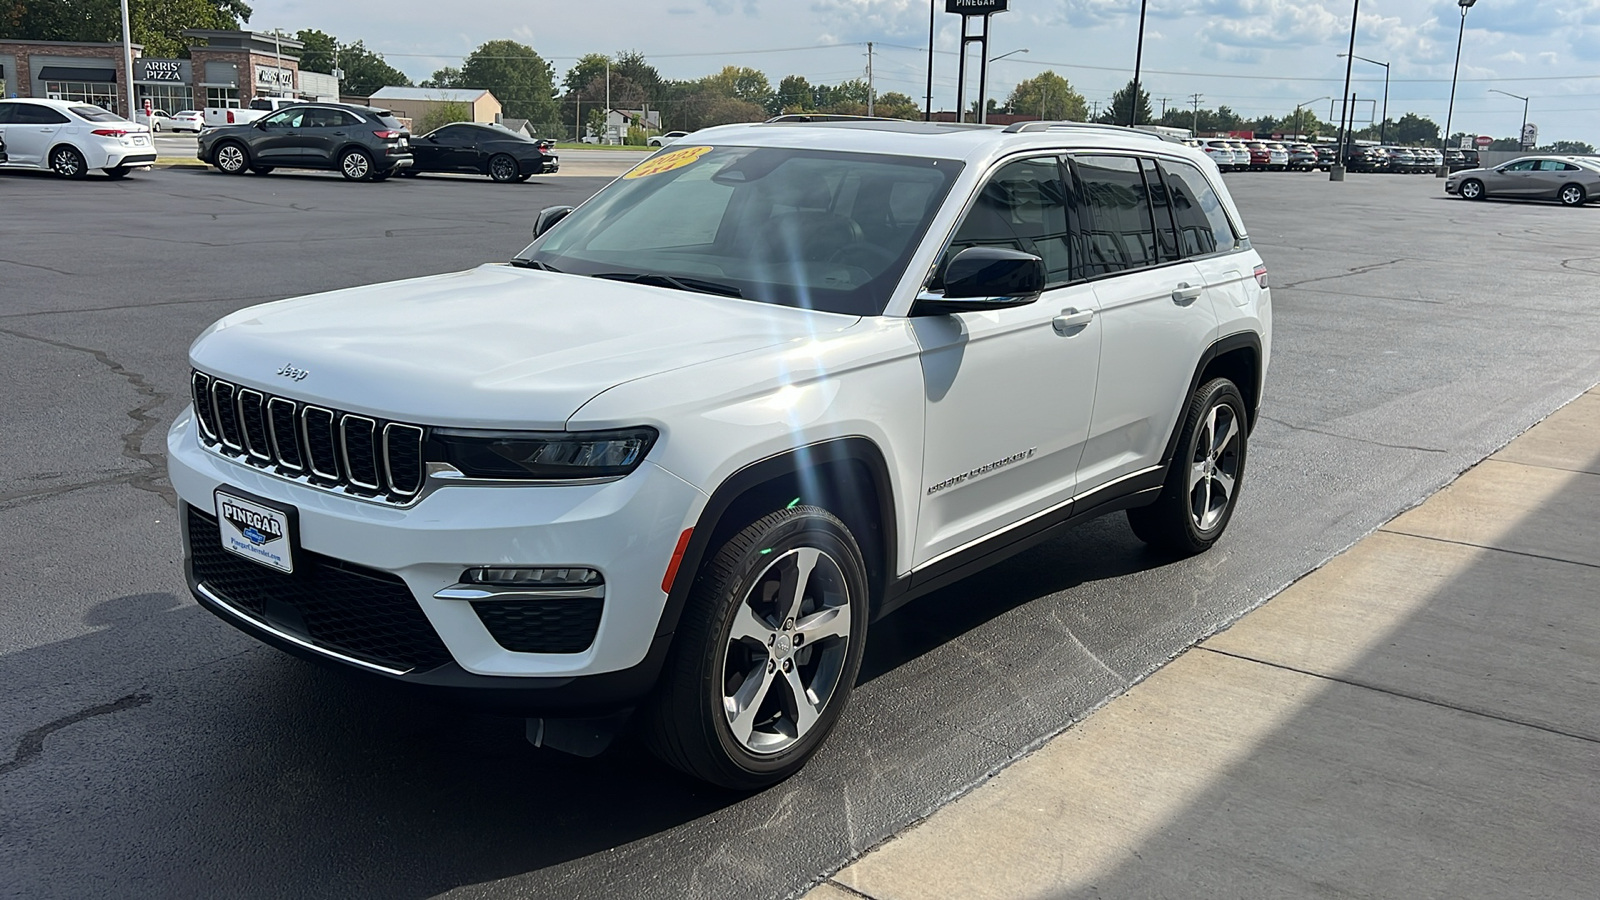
x,y
346,453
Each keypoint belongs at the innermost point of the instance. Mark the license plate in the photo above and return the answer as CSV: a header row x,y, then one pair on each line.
x,y
140,140
257,531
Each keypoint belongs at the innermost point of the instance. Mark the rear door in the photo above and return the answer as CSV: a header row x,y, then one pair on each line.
x,y
1156,315
1553,175
323,130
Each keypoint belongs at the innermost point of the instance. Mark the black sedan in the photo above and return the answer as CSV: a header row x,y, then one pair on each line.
x,y
492,150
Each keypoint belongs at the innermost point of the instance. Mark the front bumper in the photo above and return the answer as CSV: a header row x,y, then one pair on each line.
x,y
626,529
1451,187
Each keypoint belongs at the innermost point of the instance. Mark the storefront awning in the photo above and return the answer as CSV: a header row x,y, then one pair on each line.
x,y
77,73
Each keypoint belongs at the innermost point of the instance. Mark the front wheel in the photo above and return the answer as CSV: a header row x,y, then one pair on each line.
x,y
1202,486
1572,195
503,168
355,165
68,162
1472,189
231,159
766,653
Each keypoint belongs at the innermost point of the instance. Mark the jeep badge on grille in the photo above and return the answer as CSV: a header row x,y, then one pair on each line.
x,y
291,372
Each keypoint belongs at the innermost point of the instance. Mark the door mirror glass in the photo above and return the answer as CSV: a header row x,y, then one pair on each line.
x,y
548,217
980,278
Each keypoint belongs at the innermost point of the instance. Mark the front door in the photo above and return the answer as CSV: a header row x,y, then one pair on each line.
x,y
1519,179
1155,312
1009,393
31,132
282,139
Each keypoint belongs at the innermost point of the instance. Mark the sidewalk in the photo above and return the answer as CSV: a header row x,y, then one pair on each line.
x,y
1418,718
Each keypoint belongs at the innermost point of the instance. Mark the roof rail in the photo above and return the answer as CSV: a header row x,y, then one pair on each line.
x,y
826,117
1030,127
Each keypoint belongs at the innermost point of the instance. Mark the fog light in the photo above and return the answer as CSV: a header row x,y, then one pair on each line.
x,y
530,577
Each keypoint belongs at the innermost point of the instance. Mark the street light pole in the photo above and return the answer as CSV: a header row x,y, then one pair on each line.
x,y
1297,107
983,105
1336,171
1384,121
1138,60
1522,135
127,64
1444,140
927,109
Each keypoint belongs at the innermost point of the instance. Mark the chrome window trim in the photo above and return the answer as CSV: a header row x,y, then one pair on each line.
x,y
305,427
244,432
272,435
344,449
388,471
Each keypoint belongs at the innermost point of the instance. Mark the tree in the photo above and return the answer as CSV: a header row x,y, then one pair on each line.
x,y
366,72
588,67
157,24
631,64
740,83
1414,130
1565,148
447,77
320,50
520,79
794,94
440,115
972,108
1122,102
895,105
1050,97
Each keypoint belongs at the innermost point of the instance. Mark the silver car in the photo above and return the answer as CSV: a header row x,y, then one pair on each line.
x,y
1571,180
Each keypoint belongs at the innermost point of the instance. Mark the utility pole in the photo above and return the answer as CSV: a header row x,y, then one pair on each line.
x,y
1138,61
1195,99
607,136
927,109
1094,112
1164,101
871,94
127,62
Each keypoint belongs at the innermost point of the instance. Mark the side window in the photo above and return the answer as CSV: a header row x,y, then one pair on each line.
x,y
29,114
346,119
6,112
1203,225
1526,165
1024,207
1555,165
1118,231
1166,237
289,118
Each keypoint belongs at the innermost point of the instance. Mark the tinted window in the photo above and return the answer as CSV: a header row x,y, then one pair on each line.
x,y
30,114
1203,225
319,117
1118,231
1024,207
96,114
1526,165
289,118
1166,237
391,122
5,112
1555,165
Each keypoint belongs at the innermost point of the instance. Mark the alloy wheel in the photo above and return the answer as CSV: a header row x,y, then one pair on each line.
x,y
503,168
356,165
786,650
1214,468
1572,195
1471,190
230,159
67,163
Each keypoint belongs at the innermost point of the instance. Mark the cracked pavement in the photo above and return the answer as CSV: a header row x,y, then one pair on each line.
x,y
148,749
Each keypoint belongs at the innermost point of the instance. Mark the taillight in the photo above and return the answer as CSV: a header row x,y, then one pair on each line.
x,y
1261,276
110,132
230,117
389,135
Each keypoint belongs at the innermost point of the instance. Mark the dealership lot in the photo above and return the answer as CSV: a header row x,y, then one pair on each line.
x,y
148,749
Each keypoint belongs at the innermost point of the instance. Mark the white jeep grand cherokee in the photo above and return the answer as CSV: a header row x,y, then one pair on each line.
x,y
681,452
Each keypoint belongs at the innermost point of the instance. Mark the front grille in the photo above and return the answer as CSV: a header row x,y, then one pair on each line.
x,y
542,626
339,606
339,451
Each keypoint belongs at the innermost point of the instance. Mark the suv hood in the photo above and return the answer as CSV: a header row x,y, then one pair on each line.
x,y
493,347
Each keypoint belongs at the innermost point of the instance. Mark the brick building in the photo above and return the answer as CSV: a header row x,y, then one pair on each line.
x,y
224,68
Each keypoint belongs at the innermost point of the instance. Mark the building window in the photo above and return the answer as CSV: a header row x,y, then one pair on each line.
x,y
169,98
103,95
222,97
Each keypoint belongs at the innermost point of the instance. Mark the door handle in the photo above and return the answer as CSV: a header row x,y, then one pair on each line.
x,y
1183,294
1071,321
338,134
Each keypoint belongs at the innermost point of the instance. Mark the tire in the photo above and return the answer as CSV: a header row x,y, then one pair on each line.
x,y
355,164
733,707
231,158
503,168
409,173
155,127
261,170
1472,189
67,162
1212,448
1572,195
118,172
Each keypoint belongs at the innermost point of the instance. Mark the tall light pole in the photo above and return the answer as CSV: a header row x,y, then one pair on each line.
x,y
1522,135
1385,119
127,63
927,109
1336,171
1444,139
983,112
1138,61
1297,107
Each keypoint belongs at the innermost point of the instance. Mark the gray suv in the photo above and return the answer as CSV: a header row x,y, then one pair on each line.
x,y
362,143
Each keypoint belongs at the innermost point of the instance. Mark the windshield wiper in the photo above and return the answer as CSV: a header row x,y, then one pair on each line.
x,y
678,282
521,263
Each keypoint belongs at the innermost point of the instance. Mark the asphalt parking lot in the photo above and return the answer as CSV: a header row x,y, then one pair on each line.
x,y
148,749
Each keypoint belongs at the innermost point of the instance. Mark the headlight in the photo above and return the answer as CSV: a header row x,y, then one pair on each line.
x,y
539,455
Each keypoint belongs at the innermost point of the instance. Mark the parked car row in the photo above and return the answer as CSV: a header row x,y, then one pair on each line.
x,y
1367,157
1239,155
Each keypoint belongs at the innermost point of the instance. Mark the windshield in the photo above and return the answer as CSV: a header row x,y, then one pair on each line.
x,y
806,228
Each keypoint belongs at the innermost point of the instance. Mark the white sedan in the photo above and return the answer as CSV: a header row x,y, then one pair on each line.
x,y
661,140
72,138
188,120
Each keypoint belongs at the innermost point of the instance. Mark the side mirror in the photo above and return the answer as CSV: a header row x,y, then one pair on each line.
x,y
548,217
982,278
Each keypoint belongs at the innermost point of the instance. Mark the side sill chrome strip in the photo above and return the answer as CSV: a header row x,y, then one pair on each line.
x,y
300,642
1040,514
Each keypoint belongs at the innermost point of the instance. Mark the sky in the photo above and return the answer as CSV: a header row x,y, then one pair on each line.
x,y
1256,56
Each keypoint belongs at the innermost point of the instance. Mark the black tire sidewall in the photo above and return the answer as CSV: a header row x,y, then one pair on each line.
x,y
515,169
371,166
1218,391
83,164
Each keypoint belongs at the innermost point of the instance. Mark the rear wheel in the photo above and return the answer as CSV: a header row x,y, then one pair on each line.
x,y
118,172
1202,486
1572,195
231,158
503,168
355,165
766,653
68,162
1472,189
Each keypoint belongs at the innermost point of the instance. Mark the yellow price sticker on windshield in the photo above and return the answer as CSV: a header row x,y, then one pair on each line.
x,y
666,162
